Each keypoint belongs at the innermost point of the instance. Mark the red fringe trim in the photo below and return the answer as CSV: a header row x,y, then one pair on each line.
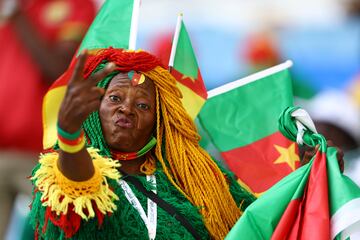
x,y
100,217
69,223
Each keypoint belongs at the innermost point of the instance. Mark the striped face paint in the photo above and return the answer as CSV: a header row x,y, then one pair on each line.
x,y
136,78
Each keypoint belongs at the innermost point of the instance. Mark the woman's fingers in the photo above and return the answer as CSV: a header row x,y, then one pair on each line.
x,y
339,155
79,67
91,100
97,77
340,158
82,96
95,93
93,105
308,155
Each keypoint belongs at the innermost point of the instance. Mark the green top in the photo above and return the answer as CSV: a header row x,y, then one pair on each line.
x,y
126,223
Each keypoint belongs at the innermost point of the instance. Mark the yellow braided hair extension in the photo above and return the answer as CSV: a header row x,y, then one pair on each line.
x,y
149,166
190,168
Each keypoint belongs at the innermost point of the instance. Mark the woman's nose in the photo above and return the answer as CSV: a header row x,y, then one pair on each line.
x,y
125,107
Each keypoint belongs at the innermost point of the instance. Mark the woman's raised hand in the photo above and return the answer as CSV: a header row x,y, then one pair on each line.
x,y
310,152
82,96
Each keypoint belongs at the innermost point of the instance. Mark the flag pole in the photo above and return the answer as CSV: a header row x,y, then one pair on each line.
x,y
175,40
249,79
134,25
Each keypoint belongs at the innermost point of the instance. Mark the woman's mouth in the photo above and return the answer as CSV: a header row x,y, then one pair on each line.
x,y
124,122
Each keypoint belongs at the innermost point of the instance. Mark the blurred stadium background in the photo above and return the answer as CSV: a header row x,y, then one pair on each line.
x,y
321,37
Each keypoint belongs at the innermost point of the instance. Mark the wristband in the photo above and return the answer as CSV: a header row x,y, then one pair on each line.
x,y
71,142
72,148
67,135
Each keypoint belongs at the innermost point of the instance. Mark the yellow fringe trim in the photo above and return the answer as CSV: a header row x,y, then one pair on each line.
x,y
58,191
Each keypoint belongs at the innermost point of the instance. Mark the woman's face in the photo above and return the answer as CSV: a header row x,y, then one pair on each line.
x,y
127,113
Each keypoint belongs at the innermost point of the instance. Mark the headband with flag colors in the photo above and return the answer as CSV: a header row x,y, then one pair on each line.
x,y
110,28
315,202
184,67
241,121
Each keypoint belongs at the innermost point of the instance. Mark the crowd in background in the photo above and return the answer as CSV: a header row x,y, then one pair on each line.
x,y
38,40
39,37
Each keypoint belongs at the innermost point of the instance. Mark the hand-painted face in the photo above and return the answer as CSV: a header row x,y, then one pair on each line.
x,y
127,113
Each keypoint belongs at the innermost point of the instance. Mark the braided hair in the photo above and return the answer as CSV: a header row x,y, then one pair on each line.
x,y
188,167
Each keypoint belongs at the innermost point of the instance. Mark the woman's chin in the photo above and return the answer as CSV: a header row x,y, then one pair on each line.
x,y
125,142
124,145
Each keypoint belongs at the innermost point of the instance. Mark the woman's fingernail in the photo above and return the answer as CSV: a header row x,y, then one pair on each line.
x,y
110,66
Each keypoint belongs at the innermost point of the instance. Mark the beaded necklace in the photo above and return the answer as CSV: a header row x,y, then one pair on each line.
x,y
132,155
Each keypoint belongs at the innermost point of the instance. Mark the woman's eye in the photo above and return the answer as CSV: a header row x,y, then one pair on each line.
x,y
143,106
114,98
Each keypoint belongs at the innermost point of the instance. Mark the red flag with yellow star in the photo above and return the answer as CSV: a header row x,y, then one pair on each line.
x,y
241,119
184,67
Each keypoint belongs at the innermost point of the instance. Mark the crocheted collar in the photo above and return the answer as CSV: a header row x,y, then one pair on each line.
x,y
132,155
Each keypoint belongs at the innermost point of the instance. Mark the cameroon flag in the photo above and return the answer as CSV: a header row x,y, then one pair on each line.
x,y
184,67
315,202
241,121
114,26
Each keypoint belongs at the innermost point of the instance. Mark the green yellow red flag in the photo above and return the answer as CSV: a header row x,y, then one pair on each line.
x,y
315,202
241,120
110,28
184,67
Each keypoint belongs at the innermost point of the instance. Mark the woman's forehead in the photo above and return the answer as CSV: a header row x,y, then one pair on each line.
x,y
122,79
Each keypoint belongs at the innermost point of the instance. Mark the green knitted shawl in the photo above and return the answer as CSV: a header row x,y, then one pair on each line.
x,y
126,223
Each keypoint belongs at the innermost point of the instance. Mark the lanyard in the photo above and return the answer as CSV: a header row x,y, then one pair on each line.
x,y
151,219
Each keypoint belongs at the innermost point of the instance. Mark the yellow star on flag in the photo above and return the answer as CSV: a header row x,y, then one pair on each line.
x,y
287,155
185,77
